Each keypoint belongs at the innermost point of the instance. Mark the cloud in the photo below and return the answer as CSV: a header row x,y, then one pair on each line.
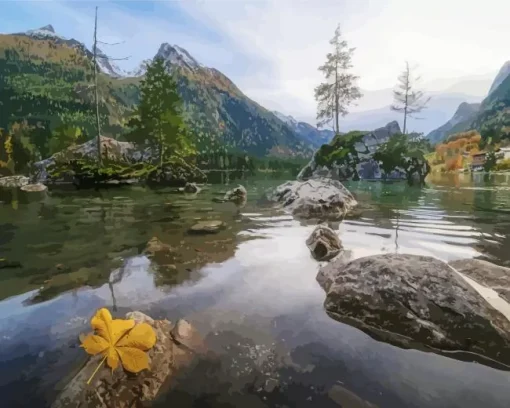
x,y
447,39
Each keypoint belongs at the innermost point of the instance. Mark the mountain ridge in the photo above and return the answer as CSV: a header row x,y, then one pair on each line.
x,y
219,113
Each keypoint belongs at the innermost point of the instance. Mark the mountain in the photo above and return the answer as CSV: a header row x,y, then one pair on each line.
x,y
494,113
308,133
502,75
439,110
46,79
461,121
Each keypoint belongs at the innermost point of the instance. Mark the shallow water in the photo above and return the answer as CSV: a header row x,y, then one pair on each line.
x,y
250,290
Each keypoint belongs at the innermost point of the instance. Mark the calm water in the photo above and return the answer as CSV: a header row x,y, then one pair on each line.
x,y
250,290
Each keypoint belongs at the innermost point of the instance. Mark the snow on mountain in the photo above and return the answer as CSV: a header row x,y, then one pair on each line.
x,y
104,64
109,67
176,55
44,32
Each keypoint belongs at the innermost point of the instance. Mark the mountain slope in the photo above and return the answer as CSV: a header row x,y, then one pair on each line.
x,y
46,79
308,133
494,113
503,73
461,120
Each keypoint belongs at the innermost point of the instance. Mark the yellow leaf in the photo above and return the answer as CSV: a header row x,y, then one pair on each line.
x,y
94,344
133,359
142,337
120,340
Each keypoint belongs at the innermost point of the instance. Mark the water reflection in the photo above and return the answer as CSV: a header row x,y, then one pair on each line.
x,y
250,289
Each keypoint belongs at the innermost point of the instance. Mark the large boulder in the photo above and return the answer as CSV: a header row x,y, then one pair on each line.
x,y
323,243
176,173
487,274
416,301
349,156
122,389
322,199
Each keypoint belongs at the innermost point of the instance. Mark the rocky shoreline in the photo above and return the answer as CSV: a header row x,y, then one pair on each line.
x,y
407,300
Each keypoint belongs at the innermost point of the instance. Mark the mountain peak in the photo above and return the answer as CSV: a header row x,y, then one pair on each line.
x,y
48,27
502,75
176,55
289,120
44,32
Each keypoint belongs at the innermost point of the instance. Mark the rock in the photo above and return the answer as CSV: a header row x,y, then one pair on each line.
x,y
323,243
140,317
176,174
416,301
207,227
191,188
322,199
163,255
346,398
486,274
14,181
186,335
238,196
122,389
34,188
353,154
270,385
155,245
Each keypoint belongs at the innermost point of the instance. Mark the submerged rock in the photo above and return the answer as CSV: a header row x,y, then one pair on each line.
x,y
123,389
323,243
487,274
207,227
34,188
238,196
14,181
416,301
191,188
322,199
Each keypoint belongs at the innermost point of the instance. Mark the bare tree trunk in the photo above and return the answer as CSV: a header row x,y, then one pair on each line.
x,y
99,159
407,96
336,99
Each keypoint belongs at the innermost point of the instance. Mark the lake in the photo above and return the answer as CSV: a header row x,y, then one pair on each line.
x,y
250,290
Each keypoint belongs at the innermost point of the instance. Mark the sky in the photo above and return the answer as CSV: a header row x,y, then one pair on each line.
x,y
271,49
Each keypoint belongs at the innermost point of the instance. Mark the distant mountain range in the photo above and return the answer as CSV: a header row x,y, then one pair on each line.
x,y
218,112
492,113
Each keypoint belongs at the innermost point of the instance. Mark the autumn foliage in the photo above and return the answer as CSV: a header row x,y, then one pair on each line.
x,y
457,150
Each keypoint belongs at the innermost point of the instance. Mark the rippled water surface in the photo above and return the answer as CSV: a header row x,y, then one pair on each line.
x,y
250,290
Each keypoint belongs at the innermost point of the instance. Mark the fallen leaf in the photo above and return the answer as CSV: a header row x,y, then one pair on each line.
x,y
119,340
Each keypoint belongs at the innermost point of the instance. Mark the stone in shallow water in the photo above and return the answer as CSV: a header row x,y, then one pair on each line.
x,y
122,389
322,199
416,302
323,243
34,188
207,227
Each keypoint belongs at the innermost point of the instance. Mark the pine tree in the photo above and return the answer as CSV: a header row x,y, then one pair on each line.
x,y
340,89
158,121
406,99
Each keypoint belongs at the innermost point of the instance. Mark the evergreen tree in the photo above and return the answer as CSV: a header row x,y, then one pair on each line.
x,y
340,89
158,121
407,99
